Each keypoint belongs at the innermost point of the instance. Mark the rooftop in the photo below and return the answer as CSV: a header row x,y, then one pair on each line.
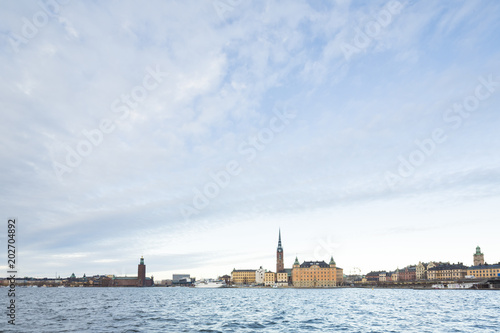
x,y
244,270
448,267
485,266
307,264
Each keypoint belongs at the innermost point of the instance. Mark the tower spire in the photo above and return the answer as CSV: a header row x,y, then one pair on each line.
x,y
280,267
280,248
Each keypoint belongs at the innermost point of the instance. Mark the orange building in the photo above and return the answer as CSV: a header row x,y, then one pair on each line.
x,y
312,274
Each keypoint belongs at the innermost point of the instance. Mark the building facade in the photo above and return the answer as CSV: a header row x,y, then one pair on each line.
x,y
243,276
447,272
421,271
313,274
340,275
259,275
373,276
282,279
484,271
269,278
409,273
177,278
395,275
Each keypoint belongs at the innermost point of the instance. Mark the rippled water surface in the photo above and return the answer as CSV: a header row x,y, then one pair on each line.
x,y
253,310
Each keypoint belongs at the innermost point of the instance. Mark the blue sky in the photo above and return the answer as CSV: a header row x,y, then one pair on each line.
x,y
191,131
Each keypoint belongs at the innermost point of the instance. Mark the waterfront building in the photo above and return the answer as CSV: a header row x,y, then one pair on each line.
x,y
380,276
166,283
289,274
259,275
339,274
433,264
372,276
134,281
282,279
177,278
226,278
314,274
243,276
409,273
478,257
421,271
182,280
447,272
269,278
395,275
484,271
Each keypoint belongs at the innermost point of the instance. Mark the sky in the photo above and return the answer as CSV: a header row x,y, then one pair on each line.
x,y
191,132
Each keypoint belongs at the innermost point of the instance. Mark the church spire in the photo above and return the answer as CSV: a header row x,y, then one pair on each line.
x,y
280,267
280,248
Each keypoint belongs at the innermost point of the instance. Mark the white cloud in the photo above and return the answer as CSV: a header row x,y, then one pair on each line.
x,y
225,81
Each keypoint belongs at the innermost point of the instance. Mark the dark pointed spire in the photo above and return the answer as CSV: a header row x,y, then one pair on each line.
x,y
280,248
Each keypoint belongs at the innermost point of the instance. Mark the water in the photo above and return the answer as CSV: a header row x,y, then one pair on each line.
x,y
253,310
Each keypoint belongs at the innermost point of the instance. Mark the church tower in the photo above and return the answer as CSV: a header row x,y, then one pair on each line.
x,y
280,266
478,257
141,273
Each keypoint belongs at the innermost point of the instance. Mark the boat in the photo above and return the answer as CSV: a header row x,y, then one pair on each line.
x,y
453,286
209,284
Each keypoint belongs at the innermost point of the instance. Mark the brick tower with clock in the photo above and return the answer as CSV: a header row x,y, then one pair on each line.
x,y
280,266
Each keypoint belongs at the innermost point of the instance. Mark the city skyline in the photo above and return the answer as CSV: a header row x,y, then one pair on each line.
x,y
365,131
478,259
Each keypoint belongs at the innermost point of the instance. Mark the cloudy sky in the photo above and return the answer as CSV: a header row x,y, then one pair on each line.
x,y
189,132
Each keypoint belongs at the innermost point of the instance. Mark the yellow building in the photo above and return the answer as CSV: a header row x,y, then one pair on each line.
x,y
243,276
340,275
269,278
447,272
282,279
315,274
484,271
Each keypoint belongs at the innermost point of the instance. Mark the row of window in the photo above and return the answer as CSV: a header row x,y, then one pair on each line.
x,y
486,271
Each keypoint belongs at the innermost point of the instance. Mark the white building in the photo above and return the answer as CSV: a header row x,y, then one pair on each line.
x,y
259,275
